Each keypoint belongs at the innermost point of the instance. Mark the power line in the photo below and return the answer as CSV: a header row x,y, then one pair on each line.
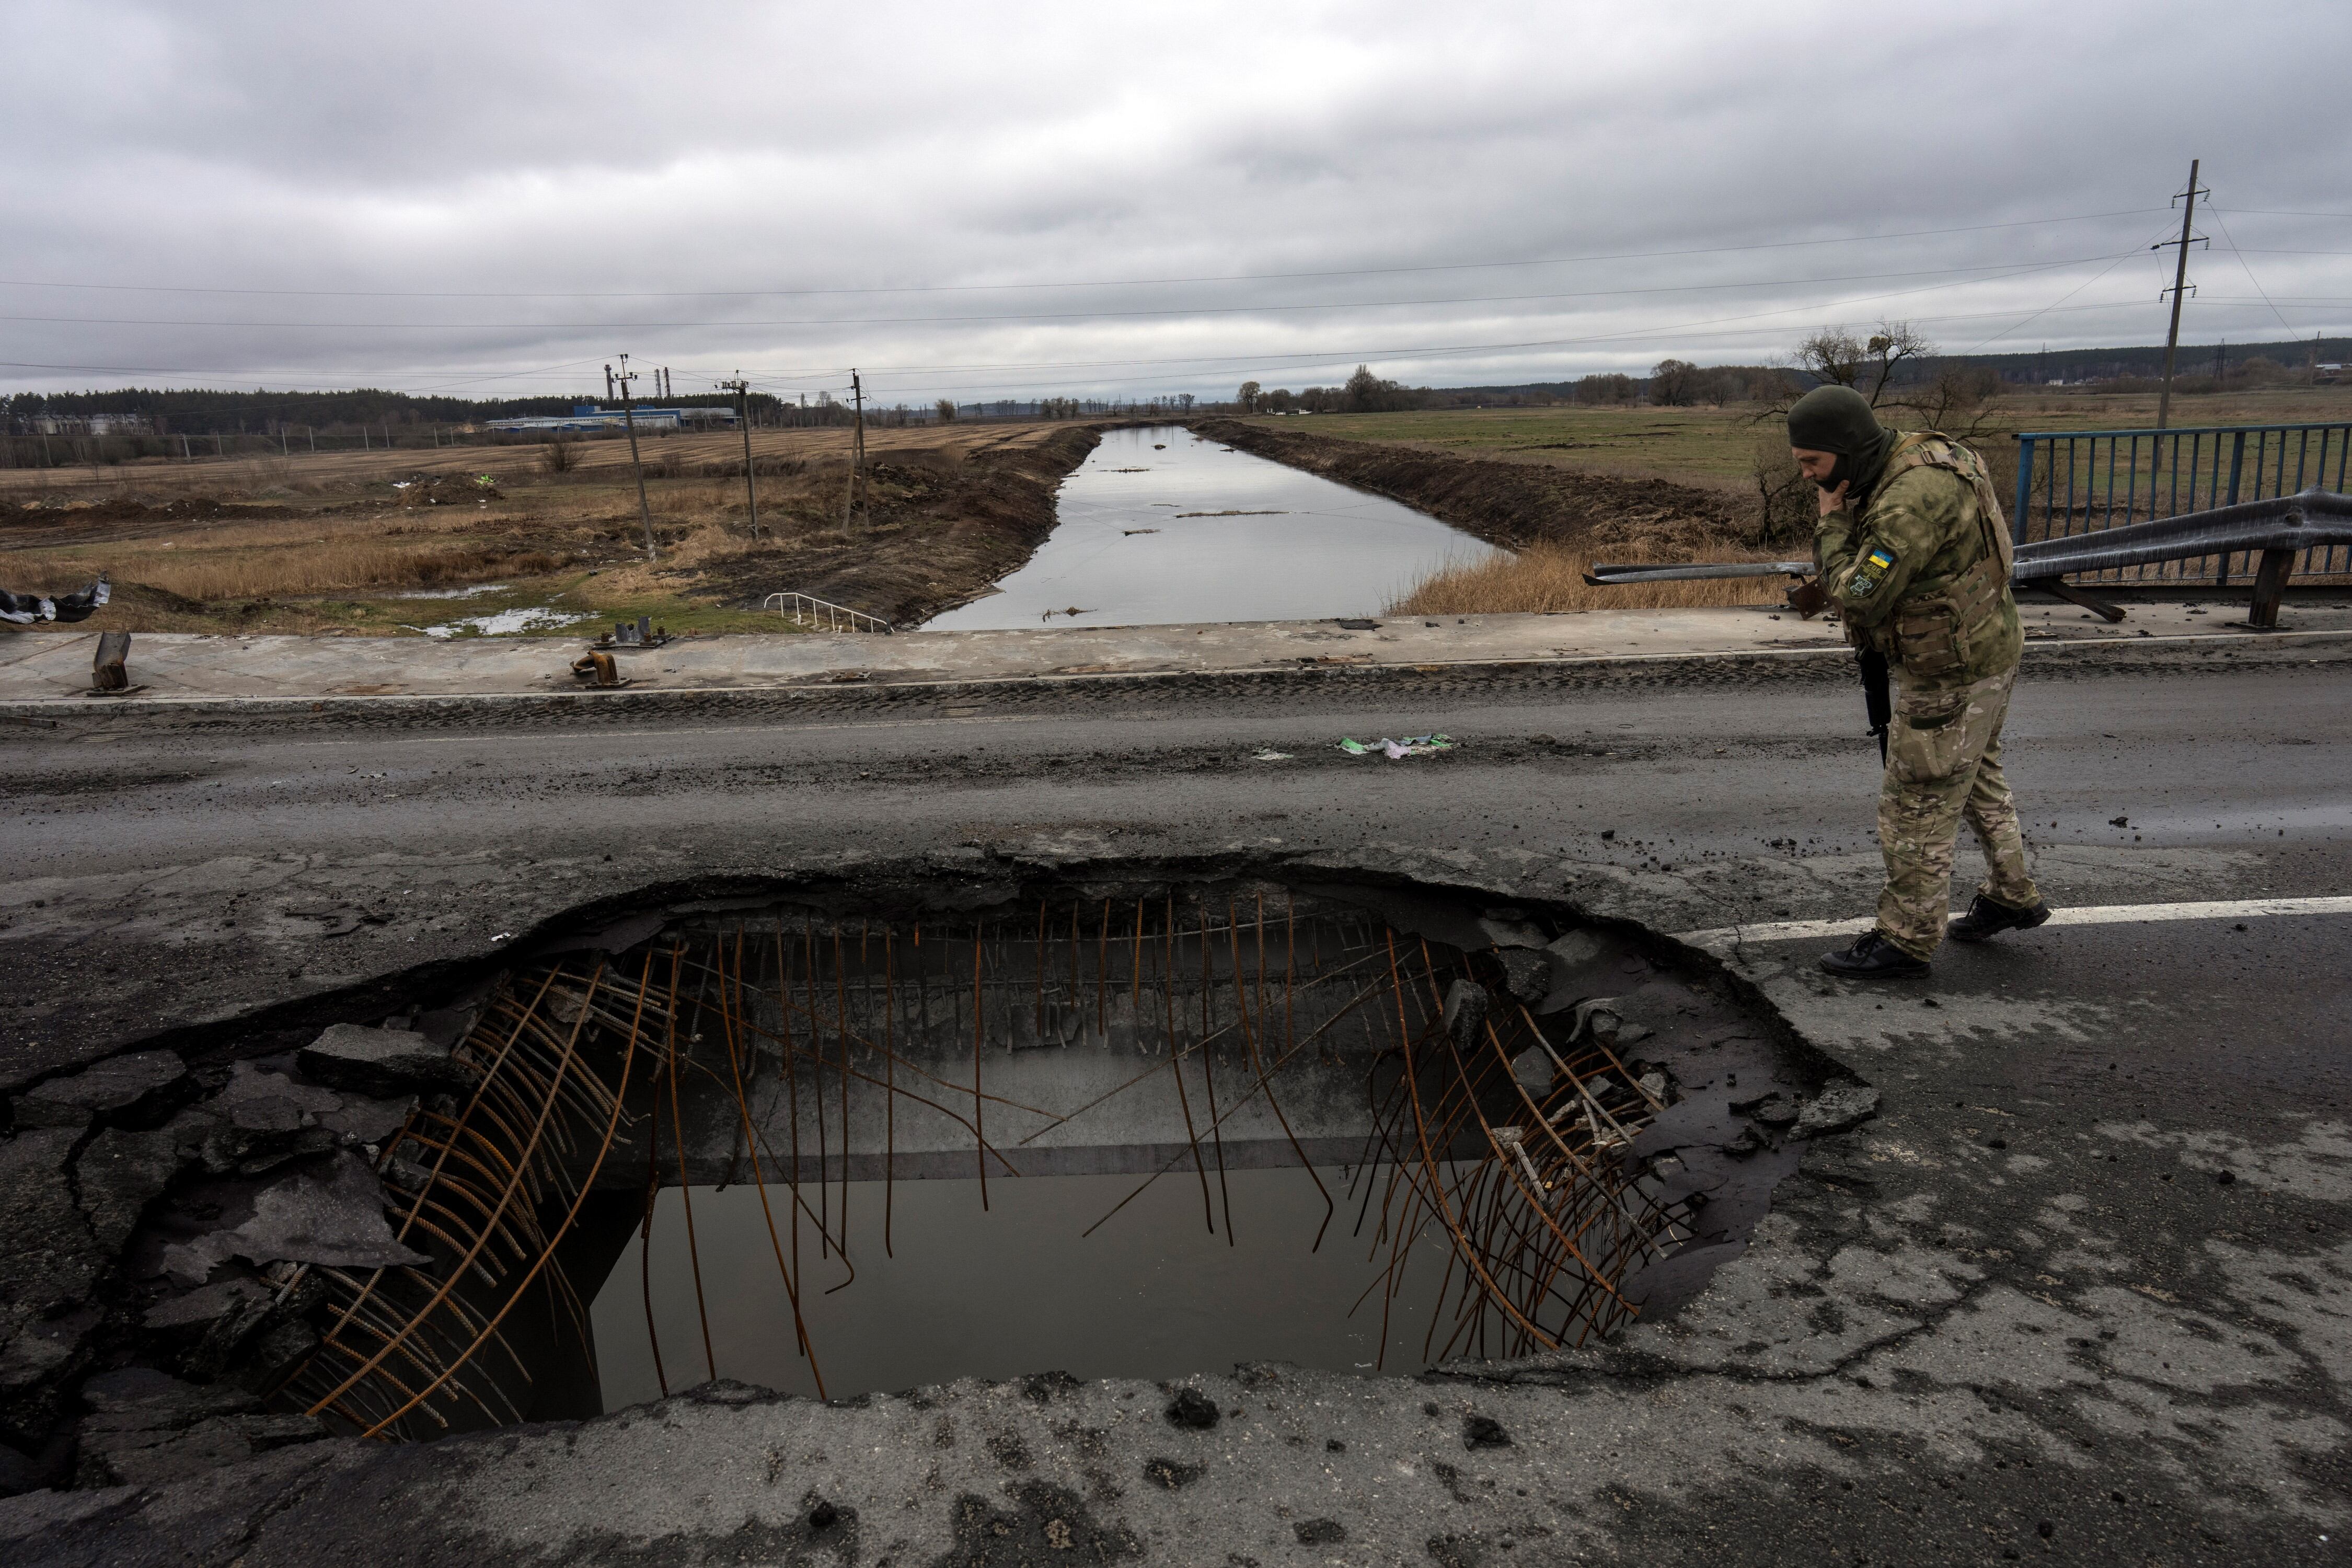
x,y
1087,283
1269,309
2240,254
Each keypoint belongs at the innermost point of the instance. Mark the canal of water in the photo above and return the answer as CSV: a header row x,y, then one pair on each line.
x,y
1159,525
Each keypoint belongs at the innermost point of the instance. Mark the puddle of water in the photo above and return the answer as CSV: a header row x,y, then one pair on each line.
x,y
1017,1289
1159,527
507,622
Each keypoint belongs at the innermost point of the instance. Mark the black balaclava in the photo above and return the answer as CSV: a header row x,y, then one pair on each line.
x,y
1838,419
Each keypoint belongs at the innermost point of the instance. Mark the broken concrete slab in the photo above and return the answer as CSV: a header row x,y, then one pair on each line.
x,y
1838,1107
200,1309
49,1270
133,1087
382,1063
147,1427
331,1215
118,1175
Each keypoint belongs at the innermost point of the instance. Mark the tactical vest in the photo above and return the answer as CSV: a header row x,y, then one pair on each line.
x,y
1934,621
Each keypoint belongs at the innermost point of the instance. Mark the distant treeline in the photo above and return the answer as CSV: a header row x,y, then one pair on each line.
x,y
170,411
2073,366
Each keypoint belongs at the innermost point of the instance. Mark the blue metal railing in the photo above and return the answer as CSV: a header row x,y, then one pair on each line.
x,y
2082,482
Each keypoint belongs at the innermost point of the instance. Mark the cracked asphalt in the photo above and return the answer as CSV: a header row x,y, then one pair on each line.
x,y
2083,1289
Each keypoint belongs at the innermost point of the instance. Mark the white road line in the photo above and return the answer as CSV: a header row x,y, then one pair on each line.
x,y
2095,915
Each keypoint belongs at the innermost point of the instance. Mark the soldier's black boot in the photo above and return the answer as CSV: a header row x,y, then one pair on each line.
x,y
1873,957
1989,917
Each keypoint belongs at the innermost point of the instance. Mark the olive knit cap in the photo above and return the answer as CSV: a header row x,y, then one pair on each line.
x,y
1838,419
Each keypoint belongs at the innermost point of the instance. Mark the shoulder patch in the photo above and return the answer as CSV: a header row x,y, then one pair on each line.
x,y
1878,560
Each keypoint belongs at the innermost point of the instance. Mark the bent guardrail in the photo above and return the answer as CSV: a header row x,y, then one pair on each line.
x,y
2072,482
2277,531
808,610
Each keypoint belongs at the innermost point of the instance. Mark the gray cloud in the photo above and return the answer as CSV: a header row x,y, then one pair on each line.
x,y
500,197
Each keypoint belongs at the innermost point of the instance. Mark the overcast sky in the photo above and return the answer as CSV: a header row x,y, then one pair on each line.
x,y
987,201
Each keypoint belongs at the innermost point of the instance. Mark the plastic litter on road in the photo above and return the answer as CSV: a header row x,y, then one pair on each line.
x,y
1414,746
1271,756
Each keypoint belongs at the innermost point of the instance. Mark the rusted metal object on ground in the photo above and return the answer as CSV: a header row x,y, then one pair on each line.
x,y
597,669
110,667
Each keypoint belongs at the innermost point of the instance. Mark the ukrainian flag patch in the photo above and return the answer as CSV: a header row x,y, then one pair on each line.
x,y
1879,559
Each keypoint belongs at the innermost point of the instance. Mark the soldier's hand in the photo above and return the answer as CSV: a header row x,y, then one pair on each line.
x,y
1831,500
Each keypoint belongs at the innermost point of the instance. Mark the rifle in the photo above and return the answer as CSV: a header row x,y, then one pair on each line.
x,y
1804,596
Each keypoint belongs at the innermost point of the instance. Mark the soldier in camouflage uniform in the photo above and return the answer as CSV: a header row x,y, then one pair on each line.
x,y
1915,554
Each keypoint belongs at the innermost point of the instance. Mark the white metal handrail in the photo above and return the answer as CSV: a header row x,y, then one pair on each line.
x,y
807,610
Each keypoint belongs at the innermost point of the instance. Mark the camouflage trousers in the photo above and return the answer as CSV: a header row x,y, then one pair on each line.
x,y
1943,765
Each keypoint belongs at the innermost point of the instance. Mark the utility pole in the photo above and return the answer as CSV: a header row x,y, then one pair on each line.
x,y
856,453
2188,200
742,391
644,511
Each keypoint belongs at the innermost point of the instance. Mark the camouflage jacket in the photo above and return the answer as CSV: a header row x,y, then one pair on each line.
x,y
1921,572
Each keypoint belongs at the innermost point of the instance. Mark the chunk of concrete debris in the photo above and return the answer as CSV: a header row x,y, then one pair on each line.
x,y
1835,1108
132,1087
1465,1011
1535,1070
383,1063
1193,1410
1581,964
1774,1109
332,1217
200,1309
1526,973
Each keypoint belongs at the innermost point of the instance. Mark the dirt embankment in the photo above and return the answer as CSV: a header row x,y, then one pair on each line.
x,y
939,528
943,515
1514,505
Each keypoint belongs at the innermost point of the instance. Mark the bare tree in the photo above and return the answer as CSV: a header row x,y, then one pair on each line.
x,y
1958,399
1676,382
1836,356
1247,398
947,411
1367,393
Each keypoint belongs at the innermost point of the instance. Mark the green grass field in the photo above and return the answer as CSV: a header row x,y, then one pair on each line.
x,y
1717,445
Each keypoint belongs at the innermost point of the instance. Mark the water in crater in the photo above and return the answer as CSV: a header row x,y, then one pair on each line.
x,y
1160,526
1020,1288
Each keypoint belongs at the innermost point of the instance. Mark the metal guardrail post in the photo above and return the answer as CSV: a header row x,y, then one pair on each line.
x,y
2237,466
2024,488
2270,588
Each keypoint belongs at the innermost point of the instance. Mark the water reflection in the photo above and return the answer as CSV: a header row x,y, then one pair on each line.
x,y
1150,1294
1141,541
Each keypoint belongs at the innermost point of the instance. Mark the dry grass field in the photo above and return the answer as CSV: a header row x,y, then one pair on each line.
x,y
395,543
1546,579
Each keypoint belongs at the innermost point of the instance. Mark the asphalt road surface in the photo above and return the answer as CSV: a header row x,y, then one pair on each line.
x,y
2023,1312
